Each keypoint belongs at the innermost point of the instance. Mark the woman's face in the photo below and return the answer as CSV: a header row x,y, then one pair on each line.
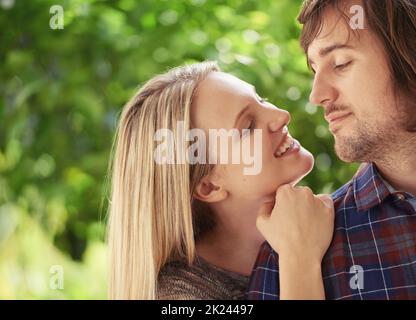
x,y
226,102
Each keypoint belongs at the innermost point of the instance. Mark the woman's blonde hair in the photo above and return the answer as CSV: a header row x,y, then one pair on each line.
x,y
152,218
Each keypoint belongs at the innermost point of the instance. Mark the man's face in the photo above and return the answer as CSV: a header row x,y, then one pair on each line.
x,y
352,82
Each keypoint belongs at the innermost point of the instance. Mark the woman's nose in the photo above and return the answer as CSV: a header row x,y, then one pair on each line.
x,y
281,118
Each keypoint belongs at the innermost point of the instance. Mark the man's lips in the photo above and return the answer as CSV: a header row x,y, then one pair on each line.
x,y
335,116
335,120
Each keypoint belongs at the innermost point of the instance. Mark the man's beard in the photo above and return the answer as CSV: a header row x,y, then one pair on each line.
x,y
369,143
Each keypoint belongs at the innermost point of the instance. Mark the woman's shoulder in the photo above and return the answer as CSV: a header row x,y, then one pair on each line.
x,y
200,281
178,281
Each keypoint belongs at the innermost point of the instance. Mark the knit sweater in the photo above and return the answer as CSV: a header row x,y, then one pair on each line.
x,y
200,281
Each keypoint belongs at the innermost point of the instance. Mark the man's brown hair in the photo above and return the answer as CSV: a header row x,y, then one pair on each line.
x,y
394,23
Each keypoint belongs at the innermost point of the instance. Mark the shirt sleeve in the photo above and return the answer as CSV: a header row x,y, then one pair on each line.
x,y
264,280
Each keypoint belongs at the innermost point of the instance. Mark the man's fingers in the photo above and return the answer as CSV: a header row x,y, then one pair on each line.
x,y
263,214
283,190
327,200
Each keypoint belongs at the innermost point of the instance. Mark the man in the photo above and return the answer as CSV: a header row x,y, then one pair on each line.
x,y
365,79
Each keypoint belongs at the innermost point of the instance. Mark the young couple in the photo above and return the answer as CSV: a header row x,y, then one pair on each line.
x,y
198,231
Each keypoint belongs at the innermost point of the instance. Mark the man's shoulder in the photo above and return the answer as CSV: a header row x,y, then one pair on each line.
x,y
344,194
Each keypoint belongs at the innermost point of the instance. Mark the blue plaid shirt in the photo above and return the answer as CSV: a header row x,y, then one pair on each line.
x,y
373,250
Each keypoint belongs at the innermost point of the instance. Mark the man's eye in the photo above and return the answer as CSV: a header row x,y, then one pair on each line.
x,y
342,66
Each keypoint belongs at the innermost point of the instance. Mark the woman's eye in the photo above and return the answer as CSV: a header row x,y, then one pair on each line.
x,y
262,100
249,128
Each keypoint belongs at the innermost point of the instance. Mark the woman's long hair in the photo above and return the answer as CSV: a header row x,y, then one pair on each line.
x,y
152,217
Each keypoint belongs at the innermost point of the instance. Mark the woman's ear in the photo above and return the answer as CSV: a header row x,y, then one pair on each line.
x,y
209,191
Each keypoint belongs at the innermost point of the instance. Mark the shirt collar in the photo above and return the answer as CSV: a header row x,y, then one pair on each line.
x,y
369,188
388,185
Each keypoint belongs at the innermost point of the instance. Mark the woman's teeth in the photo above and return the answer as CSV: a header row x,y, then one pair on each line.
x,y
287,144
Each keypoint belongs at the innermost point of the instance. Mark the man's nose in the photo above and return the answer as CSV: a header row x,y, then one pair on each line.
x,y
280,119
323,91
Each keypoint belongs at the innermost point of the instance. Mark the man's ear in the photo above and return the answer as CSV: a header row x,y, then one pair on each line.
x,y
209,191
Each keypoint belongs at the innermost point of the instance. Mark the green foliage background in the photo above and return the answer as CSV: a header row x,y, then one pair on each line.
x,y
61,92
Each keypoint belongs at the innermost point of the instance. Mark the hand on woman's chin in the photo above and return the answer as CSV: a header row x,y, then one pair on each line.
x,y
270,198
296,180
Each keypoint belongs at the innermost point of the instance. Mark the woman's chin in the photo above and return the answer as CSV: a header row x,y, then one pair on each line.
x,y
305,167
294,173
308,161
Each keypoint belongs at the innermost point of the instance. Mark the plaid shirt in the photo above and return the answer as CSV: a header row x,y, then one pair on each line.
x,y
373,250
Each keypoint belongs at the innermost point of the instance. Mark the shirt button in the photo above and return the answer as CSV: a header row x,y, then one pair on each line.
x,y
400,196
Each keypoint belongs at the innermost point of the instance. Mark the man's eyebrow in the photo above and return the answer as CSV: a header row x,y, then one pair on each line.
x,y
242,111
327,50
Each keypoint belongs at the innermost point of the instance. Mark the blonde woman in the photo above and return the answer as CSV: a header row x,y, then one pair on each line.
x,y
187,230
